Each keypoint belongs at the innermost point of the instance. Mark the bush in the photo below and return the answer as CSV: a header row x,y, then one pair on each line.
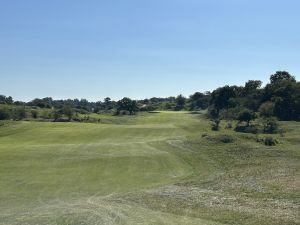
x,y
247,129
215,125
19,113
270,125
220,138
229,126
231,113
204,135
270,141
34,114
4,115
46,114
266,109
226,139
246,116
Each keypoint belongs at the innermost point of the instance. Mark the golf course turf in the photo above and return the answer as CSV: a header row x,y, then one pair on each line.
x,y
152,168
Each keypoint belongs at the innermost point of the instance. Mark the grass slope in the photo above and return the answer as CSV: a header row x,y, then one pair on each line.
x,y
147,169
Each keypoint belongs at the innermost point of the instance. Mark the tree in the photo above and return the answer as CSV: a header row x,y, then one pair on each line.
x,y
34,114
108,103
252,85
19,113
284,92
221,98
266,109
199,101
4,115
281,76
9,100
128,105
2,99
270,125
57,114
246,116
180,102
68,111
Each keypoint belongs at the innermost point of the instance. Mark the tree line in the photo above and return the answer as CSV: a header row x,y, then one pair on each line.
x,y
280,98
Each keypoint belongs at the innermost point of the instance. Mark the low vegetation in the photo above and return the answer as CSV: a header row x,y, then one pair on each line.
x,y
226,157
150,168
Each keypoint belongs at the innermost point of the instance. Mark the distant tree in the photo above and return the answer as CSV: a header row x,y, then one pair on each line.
x,y
252,85
6,100
128,105
180,102
281,76
4,114
284,92
266,109
57,114
222,97
270,125
9,100
68,111
246,116
18,113
42,103
34,113
2,99
198,101
84,104
108,103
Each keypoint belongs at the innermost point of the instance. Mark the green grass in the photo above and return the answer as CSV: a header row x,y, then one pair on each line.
x,y
153,168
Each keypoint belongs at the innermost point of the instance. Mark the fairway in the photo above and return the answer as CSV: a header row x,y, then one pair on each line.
x,y
153,168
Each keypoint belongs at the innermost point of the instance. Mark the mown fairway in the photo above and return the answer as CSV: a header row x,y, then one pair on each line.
x,y
154,168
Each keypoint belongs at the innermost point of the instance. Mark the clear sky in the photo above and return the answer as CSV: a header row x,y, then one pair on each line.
x,y
142,48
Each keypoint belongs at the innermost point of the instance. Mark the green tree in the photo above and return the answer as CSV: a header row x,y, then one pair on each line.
x,y
199,101
68,111
9,100
281,76
128,105
19,113
270,125
180,102
252,85
222,97
34,113
4,114
246,116
57,114
266,109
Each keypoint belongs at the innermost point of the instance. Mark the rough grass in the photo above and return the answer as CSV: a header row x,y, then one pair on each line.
x,y
154,168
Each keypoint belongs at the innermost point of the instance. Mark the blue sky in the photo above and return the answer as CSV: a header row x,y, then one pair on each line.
x,y
142,48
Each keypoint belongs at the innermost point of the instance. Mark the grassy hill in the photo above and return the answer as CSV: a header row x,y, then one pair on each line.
x,y
153,168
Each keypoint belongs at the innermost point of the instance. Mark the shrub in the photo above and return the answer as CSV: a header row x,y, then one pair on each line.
x,y
266,109
204,135
270,141
215,125
247,129
226,139
270,125
34,114
4,115
229,126
19,113
246,116
46,114
231,113
220,138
